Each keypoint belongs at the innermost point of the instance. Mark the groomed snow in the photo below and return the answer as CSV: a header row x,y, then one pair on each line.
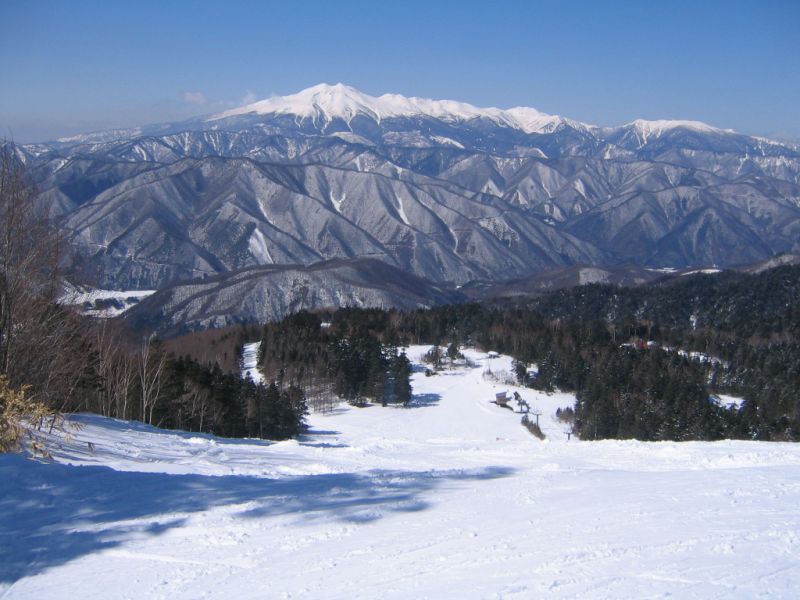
x,y
450,498
250,362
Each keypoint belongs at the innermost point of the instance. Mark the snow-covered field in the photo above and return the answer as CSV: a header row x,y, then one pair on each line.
x,y
112,302
451,498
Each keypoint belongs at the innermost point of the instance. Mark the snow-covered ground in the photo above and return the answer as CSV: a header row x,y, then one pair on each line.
x,y
101,303
249,362
451,498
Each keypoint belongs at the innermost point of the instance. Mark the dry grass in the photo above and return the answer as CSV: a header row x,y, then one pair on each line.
x,y
18,414
533,427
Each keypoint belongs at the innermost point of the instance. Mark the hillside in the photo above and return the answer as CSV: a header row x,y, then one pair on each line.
x,y
263,294
450,498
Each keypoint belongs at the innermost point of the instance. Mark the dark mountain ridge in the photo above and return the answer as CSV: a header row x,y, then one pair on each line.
x,y
269,293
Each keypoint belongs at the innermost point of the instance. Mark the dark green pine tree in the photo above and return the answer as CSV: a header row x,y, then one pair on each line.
x,y
401,371
249,394
453,353
269,404
377,372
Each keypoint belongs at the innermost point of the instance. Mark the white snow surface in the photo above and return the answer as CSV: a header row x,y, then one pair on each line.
x,y
257,244
657,127
709,271
449,498
728,401
78,296
589,275
250,362
323,103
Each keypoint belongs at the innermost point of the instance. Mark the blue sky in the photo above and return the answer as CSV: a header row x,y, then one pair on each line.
x,y
77,65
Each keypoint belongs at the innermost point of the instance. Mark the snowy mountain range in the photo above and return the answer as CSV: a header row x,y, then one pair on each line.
x,y
324,104
441,189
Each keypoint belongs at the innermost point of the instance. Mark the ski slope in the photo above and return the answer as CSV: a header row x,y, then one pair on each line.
x,y
449,499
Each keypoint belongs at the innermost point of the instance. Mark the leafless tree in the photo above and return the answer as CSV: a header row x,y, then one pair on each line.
x,y
320,396
20,254
39,341
123,379
115,368
150,371
195,401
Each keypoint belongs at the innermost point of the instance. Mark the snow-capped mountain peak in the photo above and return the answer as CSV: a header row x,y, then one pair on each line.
x,y
323,103
641,132
658,127
332,101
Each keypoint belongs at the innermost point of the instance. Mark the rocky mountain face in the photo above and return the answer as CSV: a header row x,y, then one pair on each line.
x,y
439,189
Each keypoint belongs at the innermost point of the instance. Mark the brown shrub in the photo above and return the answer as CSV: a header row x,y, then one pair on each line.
x,y
533,427
18,414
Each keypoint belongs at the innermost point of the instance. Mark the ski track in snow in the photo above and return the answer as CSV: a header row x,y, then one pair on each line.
x,y
450,498
250,362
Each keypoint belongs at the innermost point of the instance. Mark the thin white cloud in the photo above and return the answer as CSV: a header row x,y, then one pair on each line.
x,y
195,98
249,98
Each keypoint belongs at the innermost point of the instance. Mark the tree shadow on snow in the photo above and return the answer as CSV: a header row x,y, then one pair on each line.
x,y
424,400
309,439
51,514
126,427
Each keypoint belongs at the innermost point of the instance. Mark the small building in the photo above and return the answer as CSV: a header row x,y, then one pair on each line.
x,y
501,398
